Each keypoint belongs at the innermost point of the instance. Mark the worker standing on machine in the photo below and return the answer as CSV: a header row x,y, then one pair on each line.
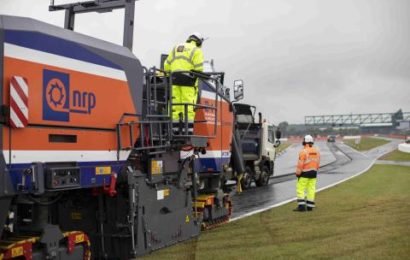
x,y
306,172
187,56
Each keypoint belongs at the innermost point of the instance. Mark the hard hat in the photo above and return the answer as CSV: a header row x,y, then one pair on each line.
x,y
196,37
308,139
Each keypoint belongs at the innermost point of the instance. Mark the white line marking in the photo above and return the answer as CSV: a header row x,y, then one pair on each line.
x,y
29,156
318,190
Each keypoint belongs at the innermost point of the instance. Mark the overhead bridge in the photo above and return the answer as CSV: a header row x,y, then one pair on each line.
x,y
376,119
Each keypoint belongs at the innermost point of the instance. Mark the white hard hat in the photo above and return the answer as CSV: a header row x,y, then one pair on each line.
x,y
308,139
197,37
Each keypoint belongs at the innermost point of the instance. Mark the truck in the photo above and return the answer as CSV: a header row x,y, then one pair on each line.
x,y
255,138
258,141
90,167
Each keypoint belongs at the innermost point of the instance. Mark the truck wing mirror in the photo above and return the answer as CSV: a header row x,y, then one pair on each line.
x,y
238,89
278,134
277,143
228,93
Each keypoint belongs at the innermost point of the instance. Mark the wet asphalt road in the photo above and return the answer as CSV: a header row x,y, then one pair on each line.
x,y
338,162
286,162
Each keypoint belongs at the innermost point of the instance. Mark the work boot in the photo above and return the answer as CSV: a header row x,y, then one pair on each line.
x,y
300,208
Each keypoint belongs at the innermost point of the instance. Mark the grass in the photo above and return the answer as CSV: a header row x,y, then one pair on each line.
x,y
283,146
364,218
366,143
396,155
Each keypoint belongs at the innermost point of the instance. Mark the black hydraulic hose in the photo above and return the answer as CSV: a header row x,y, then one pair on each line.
x,y
238,163
47,203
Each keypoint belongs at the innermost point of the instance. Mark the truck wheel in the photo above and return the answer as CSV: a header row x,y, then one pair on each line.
x,y
246,179
263,178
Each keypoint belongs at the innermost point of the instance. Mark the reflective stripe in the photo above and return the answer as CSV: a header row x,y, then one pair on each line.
x,y
180,58
301,202
199,65
183,58
310,204
192,53
173,52
311,162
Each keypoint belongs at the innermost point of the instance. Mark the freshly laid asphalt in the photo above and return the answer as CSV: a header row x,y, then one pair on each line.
x,y
286,162
338,162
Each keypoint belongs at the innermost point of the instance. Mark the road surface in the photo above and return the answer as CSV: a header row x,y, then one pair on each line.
x,y
339,162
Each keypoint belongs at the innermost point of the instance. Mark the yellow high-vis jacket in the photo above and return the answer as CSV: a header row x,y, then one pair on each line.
x,y
185,57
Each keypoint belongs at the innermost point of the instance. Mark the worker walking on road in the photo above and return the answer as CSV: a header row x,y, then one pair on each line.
x,y
187,56
306,172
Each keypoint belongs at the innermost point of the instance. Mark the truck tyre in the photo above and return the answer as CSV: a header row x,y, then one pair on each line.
x,y
263,178
246,179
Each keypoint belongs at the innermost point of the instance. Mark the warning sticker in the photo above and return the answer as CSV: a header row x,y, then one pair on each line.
x,y
79,238
166,192
160,194
17,251
103,170
156,167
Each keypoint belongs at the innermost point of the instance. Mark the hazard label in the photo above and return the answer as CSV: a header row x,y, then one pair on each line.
x,y
17,251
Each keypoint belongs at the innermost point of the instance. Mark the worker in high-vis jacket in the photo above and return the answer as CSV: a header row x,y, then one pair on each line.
x,y
306,173
187,56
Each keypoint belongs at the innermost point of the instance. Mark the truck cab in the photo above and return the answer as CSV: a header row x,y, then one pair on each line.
x,y
258,140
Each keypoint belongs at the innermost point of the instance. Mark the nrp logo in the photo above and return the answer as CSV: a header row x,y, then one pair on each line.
x,y
59,102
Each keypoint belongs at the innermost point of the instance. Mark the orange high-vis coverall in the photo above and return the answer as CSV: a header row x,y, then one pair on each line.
x,y
306,171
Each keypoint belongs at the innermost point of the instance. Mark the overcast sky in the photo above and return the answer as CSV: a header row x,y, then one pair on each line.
x,y
297,58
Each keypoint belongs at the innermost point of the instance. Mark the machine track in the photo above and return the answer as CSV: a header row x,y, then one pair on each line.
x,y
215,223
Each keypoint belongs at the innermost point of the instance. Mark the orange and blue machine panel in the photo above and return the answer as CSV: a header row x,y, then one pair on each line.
x,y
65,102
67,99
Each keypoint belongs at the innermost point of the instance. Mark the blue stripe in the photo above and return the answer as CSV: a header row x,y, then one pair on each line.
x,y
206,87
88,177
210,164
57,46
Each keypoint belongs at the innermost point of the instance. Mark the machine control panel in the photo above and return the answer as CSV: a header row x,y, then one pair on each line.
x,y
63,177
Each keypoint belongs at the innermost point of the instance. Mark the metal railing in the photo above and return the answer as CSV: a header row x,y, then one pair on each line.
x,y
143,135
200,78
151,130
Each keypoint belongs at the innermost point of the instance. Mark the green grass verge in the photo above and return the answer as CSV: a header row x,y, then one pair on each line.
x,y
283,146
396,155
364,218
366,143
